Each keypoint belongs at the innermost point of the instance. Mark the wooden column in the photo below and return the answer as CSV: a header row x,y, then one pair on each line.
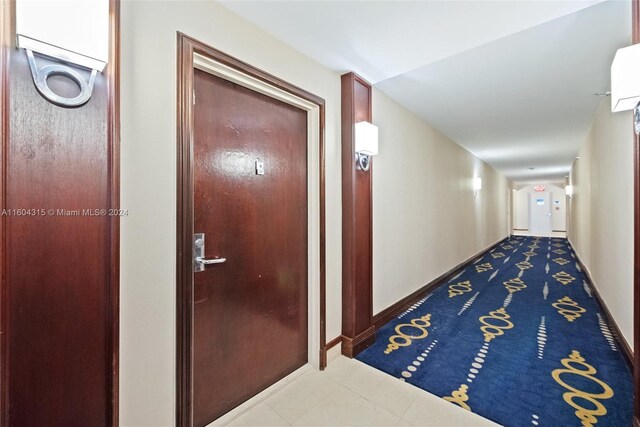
x,y
59,244
358,331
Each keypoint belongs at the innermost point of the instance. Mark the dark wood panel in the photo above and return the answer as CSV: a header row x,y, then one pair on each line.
x,y
348,205
357,244
6,40
60,268
186,47
364,218
57,266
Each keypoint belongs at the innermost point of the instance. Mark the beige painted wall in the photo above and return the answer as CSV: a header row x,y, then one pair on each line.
x,y
444,209
600,225
147,388
425,217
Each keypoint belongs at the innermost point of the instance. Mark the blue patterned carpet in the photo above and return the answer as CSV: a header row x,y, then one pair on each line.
x,y
517,337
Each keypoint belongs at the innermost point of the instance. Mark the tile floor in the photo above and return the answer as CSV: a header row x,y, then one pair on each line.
x,y
349,393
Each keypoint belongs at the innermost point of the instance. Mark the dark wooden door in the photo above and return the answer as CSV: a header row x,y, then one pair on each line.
x,y
250,313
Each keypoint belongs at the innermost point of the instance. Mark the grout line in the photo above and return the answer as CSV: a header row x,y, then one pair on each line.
x,y
259,398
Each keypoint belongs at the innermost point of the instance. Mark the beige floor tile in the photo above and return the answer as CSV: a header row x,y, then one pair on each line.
x,y
351,394
259,416
302,395
343,407
382,389
343,368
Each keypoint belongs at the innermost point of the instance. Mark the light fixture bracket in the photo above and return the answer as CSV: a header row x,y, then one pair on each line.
x,y
40,76
363,161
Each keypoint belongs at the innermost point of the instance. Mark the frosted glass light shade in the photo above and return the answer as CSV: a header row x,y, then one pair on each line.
x,y
625,79
366,139
75,31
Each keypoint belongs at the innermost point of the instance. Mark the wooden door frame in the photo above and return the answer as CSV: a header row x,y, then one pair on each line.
x,y
7,30
113,141
188,49
635,38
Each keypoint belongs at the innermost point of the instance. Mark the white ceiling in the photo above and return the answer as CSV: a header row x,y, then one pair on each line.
x,y
511,81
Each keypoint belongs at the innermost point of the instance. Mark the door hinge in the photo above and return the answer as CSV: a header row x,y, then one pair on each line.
x,y
194,97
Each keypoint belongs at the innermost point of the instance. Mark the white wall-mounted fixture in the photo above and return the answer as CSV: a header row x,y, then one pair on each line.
x,y
625,82
568,190
477,186
70,32
366,143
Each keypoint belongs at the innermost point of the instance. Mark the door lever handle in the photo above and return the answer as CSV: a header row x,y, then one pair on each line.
x,y
199,261
203,261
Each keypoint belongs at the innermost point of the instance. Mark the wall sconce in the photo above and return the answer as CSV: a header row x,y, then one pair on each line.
x,y
625,84
366,144
477,186
69,32
568,190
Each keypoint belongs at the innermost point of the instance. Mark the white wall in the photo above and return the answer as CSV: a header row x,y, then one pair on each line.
x,y
558,210
425,217
148,302
601,211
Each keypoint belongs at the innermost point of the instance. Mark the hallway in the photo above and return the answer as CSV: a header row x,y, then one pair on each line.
x,y
322,213
508,336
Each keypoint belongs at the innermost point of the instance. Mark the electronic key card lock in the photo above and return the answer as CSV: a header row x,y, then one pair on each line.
x,y
199,261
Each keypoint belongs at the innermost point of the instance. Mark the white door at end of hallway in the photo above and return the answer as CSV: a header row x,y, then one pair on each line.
x,y
539,212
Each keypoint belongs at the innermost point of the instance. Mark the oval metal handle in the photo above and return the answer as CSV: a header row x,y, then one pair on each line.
x,y
40,76
201,260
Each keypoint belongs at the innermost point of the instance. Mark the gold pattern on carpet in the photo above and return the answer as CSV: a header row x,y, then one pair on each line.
x,y
576,365
503,323
524,265
572,312
481,268
507,247
514,285
497,255
459,288
564,277
559,252
403,339
459,397
560,261
530,254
